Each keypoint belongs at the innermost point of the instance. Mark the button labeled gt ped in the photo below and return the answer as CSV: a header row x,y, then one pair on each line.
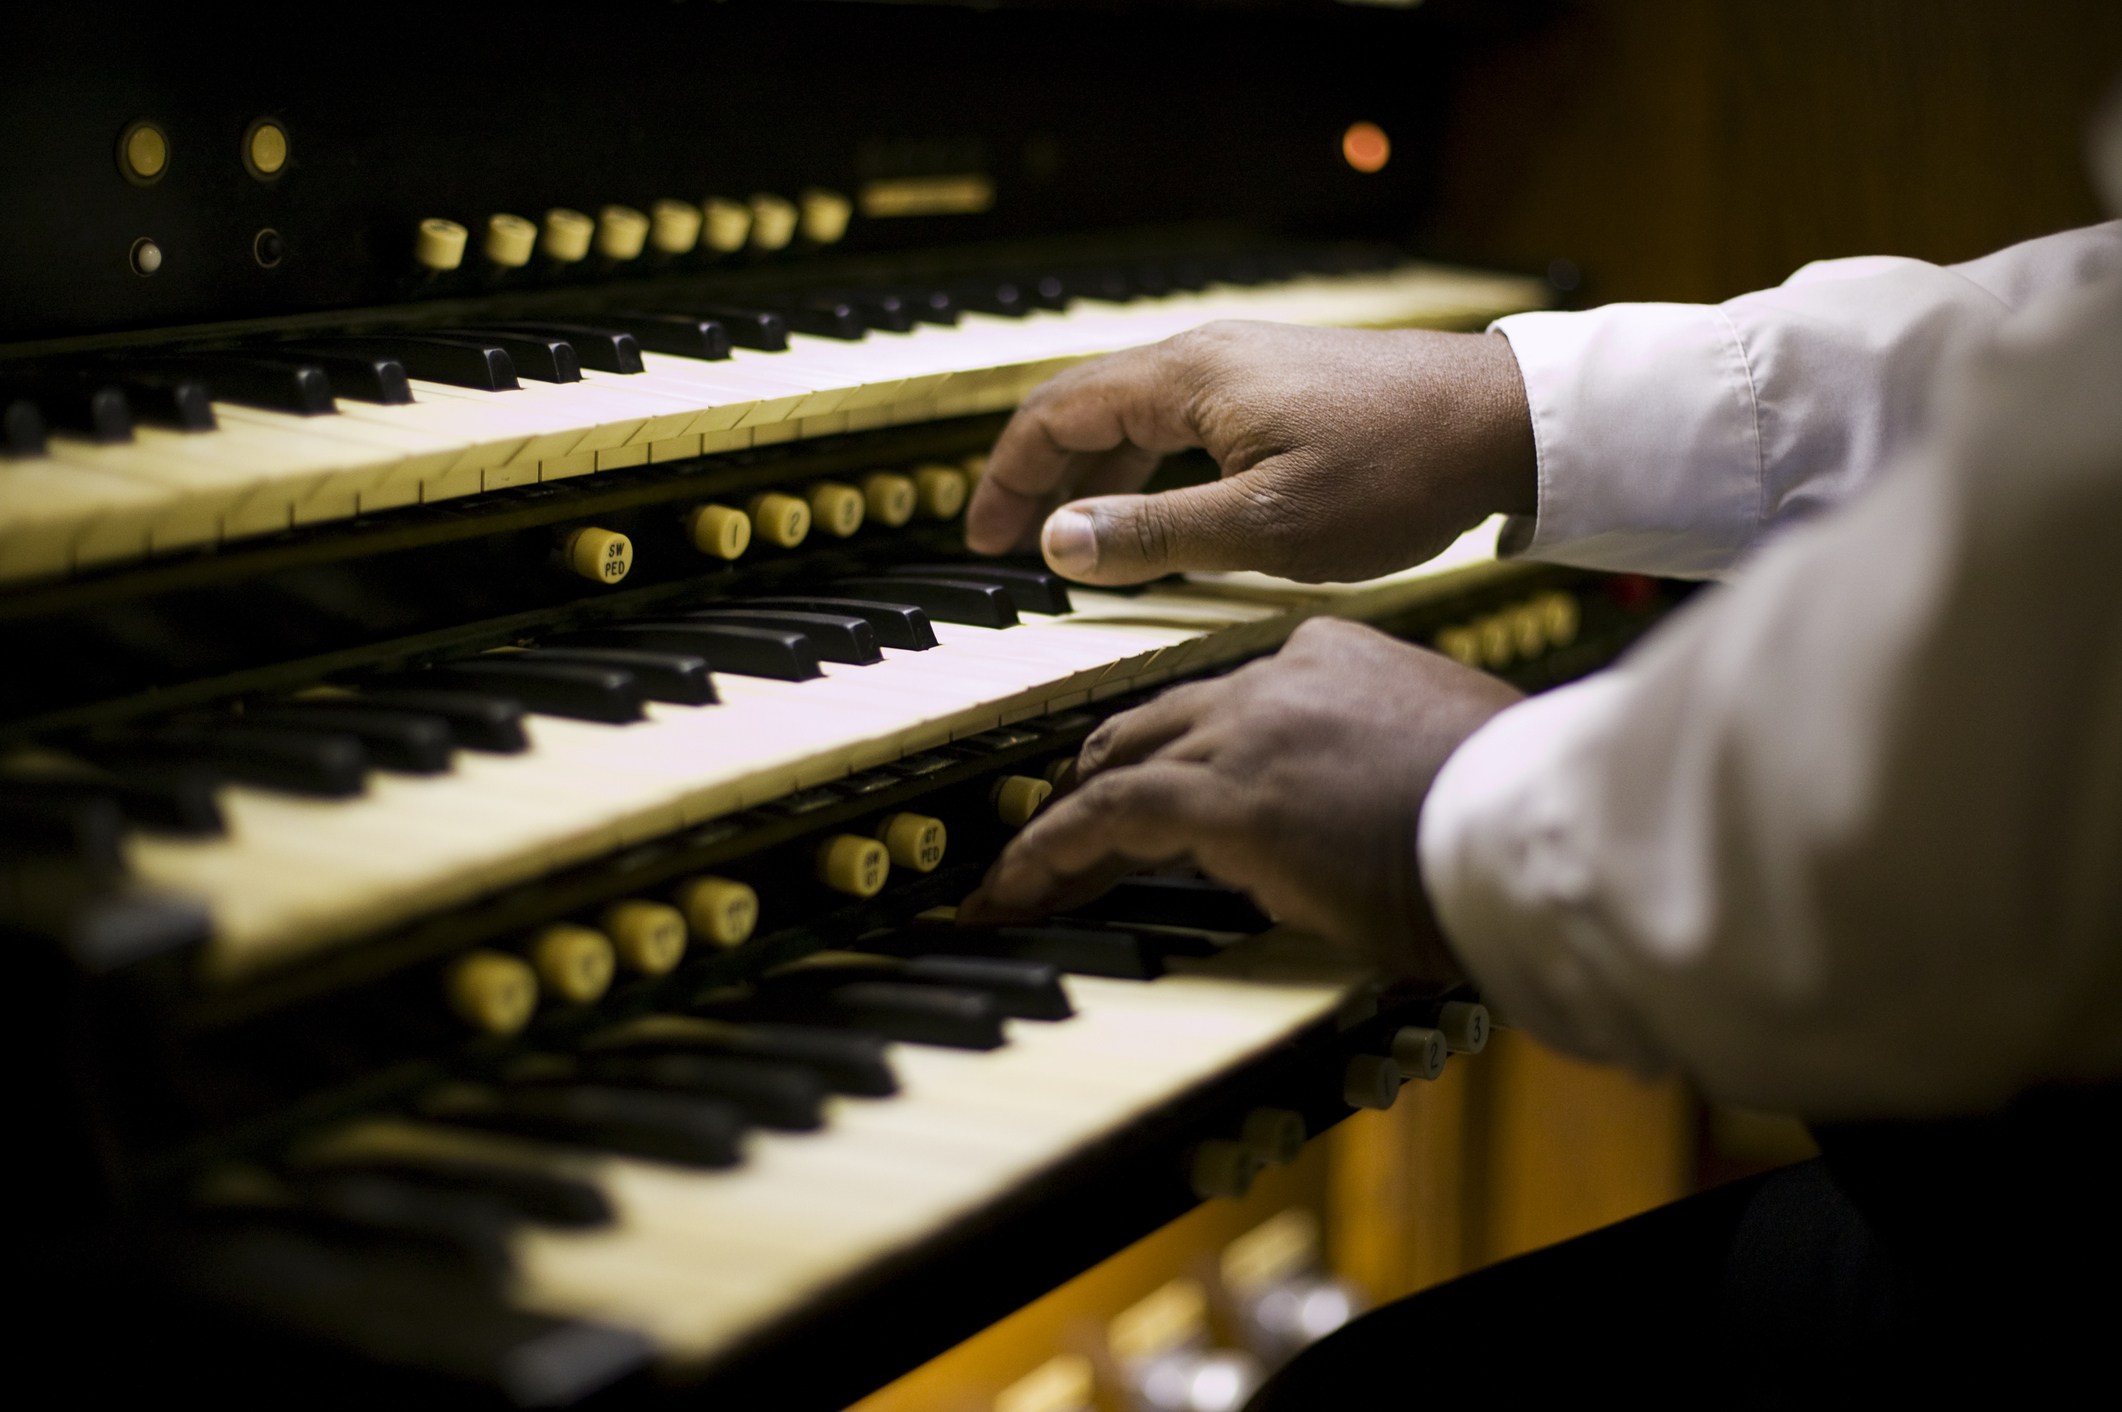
x,y
855,866
599,555
914,841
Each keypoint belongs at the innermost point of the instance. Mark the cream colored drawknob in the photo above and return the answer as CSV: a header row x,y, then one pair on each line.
x,y
572,962
265,150
1528,630
493,993
1499,641
621,232
648,936
940,491
1273,1135
719,530
855,866
440,244
825,215
143,152
773,221
567,235
720,910
510,240
1018,797
835,508
1223,1168
1560,617
888,498
724,224
1420,1051
1465,1024
673,227
780,519
1461,644
1370,1081
975,466
600,555
914,841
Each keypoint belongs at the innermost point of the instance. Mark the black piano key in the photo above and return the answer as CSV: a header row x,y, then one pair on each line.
x,y
608,350
1188,274
21,426
542,357
474,1225
477,720
838,637
1028,989
901,625
883,309
85,828
848,1063
169,399
675,677
1177,902
395,740
92,407
929,305
460,362
772,1095
365,377
821,316
1102,282
1079,950
328,763
538,1196
278,382
745,651
1006,297
1032,590
922,1014
583,692
179,799
981,605
760,328
1149,280
668,1127
681,335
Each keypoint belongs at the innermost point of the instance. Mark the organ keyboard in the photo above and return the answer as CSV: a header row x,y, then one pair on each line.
x,y
511,715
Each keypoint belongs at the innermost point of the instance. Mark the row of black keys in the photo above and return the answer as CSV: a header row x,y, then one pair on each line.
x,y
102,401
670,1088
164,777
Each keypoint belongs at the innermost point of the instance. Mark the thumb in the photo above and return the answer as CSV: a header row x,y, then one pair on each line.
x,y
1118,539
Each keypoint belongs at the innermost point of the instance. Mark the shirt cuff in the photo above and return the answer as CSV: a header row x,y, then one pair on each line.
x,y
1647,440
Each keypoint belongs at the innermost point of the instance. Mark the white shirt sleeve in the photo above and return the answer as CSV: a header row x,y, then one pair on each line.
x,y
1844,838
1673,438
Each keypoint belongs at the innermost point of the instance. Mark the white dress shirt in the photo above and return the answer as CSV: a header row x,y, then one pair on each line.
x,y
1844,837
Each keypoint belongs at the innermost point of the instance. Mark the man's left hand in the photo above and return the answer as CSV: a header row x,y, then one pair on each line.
x,y
1297,778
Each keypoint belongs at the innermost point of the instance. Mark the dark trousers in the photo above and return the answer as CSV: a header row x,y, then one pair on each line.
x,y
1962,1262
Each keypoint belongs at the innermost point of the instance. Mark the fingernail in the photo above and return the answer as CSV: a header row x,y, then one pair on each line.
x,y
1070,542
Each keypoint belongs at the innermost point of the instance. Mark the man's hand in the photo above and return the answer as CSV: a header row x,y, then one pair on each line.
x,y
1297,778
1346,453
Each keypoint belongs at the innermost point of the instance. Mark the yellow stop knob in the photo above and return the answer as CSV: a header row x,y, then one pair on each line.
x,y
649,937
773,221
1461,644
889,498
439,245
725,224
719,530
914,841
1018,797
621,232
493,993
599,555
510,240
266,148
1559,617
567,235
835,508
855,866
940,491
674,226
574,963
780,519
825,215
721,910
143,152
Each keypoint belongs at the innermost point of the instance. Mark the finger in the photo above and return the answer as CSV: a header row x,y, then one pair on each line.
x,y
1240,522
1136,398
981,910
1133,736
1145,814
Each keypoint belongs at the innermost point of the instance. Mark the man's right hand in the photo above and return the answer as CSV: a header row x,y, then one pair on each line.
x,y
1346,453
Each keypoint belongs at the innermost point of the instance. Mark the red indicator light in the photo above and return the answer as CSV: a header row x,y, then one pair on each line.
x,y
1366,146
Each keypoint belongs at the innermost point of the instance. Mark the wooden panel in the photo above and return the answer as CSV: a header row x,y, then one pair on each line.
x,y
1677,150
1399,1186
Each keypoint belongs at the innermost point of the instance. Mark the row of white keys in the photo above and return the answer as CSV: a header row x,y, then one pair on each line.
x,y
698,1259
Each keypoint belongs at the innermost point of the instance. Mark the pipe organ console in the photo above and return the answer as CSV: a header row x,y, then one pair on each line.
x,y
500,711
